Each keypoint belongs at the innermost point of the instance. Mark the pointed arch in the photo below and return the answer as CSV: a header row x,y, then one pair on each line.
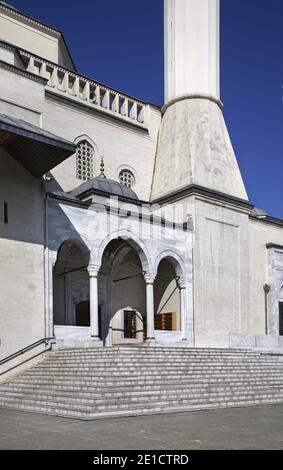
x,y
133,240
77,242
174,258
89,140
85,158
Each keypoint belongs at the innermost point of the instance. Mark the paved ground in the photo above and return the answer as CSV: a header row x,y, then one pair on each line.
x,y
242,428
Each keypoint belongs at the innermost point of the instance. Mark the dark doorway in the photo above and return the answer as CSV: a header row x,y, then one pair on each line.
x,y
130,324
83,314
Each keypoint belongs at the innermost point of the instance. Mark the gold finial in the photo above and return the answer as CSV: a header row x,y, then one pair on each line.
x,y
102,168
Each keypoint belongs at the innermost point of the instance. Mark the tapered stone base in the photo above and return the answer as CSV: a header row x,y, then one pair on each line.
x,y
195,148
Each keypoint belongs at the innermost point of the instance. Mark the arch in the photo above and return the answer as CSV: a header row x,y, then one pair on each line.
x,y
122,290
174,258
167,291
120,254
85,158
91,142
133,240
74,241
71,284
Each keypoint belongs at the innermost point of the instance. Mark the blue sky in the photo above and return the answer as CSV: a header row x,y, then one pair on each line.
x,y
120,43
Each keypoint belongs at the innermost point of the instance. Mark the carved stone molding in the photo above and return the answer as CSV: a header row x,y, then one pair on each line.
x,y
93,270
149,278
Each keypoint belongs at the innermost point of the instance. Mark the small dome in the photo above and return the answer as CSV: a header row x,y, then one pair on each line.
x,y
103,185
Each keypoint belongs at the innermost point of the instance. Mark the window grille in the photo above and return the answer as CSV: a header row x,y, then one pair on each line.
x,y
85,161
127,178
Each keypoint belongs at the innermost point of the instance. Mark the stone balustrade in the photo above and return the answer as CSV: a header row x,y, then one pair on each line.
x,y
87,91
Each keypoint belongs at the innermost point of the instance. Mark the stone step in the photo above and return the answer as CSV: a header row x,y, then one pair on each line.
x,y
120,405
157,355
127,381
118,387
104,388
147,349
99,394
154,350
150,367
155,362
103,373
110,379
75,414
147,363
161,356
212,378
142,397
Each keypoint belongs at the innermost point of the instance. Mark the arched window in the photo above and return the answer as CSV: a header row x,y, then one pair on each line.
x,y
127,178
85,161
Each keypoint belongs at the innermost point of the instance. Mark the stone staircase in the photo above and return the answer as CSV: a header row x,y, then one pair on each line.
x,y
129,381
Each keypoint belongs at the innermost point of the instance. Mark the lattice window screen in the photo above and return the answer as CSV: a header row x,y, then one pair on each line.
x,y
127,178
85,161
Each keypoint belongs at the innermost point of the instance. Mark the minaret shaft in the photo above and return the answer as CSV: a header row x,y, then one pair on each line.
x,y
191,48
194,147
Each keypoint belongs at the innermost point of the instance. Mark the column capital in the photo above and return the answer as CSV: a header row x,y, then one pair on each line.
x,y
182,283
93,270
149,278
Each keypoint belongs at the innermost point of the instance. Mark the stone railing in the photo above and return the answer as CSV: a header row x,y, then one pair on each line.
x,y
79,88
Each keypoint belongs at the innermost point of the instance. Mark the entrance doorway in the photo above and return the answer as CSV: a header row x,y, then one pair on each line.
x,y
122,294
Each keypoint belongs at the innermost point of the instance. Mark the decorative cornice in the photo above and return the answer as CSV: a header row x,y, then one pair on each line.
x,y
192,96
24,73
7,45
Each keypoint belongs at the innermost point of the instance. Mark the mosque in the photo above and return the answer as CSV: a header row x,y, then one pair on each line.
x,y
123,223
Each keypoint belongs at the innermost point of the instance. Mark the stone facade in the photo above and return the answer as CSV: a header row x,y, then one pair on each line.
x,y
183,243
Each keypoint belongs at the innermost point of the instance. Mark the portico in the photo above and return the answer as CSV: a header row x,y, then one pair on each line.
x,y
128,287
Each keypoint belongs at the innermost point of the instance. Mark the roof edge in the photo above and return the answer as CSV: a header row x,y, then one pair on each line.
x,y
43,25
201,190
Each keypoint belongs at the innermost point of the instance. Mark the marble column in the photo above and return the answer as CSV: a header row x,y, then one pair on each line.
x,y
183,308
94,325
52,257
149,280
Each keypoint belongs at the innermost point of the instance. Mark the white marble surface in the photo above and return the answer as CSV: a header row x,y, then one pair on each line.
x,y
260,342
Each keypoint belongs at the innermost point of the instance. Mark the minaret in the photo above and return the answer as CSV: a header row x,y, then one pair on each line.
x,y
194,146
